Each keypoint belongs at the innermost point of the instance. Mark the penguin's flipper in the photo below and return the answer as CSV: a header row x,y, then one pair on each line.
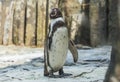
x,y
73,50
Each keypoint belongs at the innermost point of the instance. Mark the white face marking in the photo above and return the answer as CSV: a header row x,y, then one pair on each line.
x,y
53,21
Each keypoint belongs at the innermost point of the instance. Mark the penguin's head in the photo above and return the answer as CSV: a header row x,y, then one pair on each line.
x,y
55,13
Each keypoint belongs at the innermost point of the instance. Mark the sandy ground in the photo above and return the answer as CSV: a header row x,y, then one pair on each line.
x,y
23,64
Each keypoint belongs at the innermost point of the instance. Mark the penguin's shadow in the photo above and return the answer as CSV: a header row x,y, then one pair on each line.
x,y
65,75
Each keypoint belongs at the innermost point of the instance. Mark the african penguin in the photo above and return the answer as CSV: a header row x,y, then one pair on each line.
x,y
57,44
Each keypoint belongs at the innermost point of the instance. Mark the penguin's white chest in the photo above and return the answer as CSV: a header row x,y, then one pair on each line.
x,y
59,48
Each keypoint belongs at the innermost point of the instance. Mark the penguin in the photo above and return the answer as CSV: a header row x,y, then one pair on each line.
x,y
57,45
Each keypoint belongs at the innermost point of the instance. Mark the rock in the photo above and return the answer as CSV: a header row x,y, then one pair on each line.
x,y
1,28
7,38
32,71
98,22
91,56
31,23
19,22
80,46
41,6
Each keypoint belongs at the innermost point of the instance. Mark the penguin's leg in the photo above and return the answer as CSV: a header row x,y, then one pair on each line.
x,y
46,73
62,74
52,74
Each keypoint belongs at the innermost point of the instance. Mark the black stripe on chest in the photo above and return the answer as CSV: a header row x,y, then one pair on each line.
x,y
58,24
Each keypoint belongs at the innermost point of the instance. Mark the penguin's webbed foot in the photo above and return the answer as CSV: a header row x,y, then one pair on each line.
x,y
51,74
62,74
65,75
46,73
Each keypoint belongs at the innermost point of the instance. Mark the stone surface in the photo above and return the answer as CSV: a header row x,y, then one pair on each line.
x,y
98,22
84,27
1,28
77,20
31,23
23,64
114,25
119,12
114,39
53,4
114,28
8,23
70,12
19,22
41,7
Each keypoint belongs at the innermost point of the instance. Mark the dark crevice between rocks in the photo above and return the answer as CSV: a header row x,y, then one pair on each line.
x,y
107,19
36,23
13,27
25,22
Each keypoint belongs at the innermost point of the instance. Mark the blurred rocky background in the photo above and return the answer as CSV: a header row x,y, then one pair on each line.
x,y
90,22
